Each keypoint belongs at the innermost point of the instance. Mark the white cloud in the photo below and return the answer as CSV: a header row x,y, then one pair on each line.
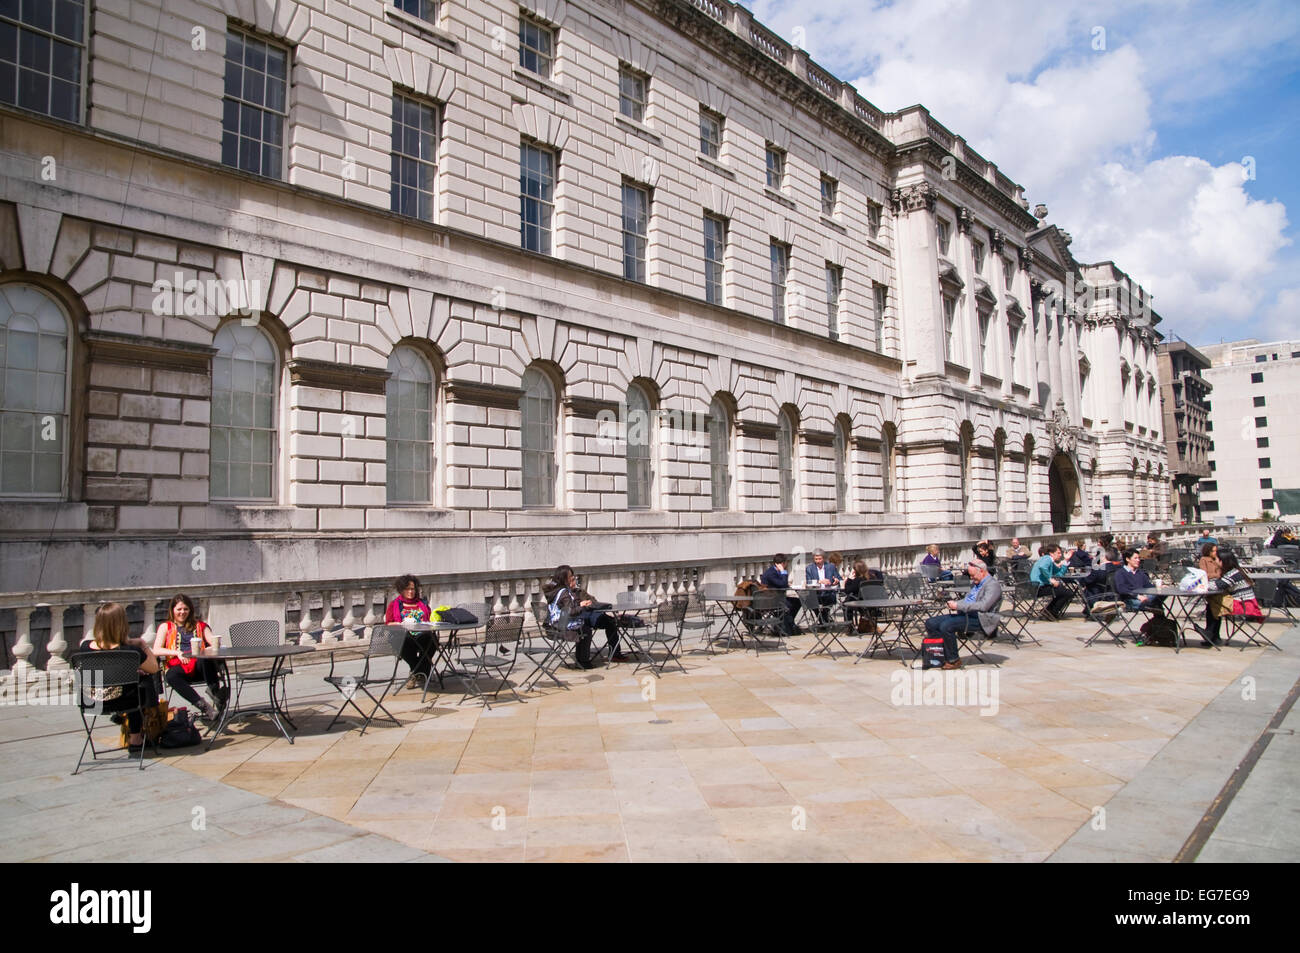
x,y
1021,82
1282,319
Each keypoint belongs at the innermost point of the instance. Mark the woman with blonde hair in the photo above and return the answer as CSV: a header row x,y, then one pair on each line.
x,y
111,632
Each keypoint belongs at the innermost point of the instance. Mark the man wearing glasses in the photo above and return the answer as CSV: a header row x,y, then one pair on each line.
x,y
977,612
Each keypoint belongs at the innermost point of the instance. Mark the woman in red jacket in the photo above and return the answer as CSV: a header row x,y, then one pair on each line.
x,y
179,640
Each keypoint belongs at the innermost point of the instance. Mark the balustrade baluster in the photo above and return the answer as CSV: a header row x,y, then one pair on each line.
x,y
58,645
327,618
23,670
349,618
371,618
304,620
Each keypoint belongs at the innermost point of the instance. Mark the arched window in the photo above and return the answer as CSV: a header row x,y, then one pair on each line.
x,y
840,445
720,453
889,467
34,375
640,449
786,448
245,381
537,438
410,425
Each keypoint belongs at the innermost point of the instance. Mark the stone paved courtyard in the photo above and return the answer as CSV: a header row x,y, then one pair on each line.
x,y
752,759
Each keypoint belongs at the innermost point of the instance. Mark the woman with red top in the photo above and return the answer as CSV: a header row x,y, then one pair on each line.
x,y
179,640
418,648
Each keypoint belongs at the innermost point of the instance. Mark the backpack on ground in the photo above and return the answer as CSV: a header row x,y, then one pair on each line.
x,y
1160,630
180,731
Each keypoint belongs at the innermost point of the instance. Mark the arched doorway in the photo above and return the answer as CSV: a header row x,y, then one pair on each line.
x,y
1063,487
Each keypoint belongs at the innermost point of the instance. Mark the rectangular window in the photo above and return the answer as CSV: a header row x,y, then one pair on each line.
x,y
636,229
710,133
834,280
1209,426
1257,377
715,249
1008,272
1265,484
1265,463
254,109
880,301
1259,401
1261,421
1265,504
943,232
1261,443
415,156
977,251
426,10
1210,506
780,258
1261,358
536,197
830,196
536,46
1213,466
632,93
42,46
1209,486
949,325
875,215
775,168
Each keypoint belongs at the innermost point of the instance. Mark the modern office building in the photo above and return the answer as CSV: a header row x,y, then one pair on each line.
x,y
1254,430
301,290
1184,397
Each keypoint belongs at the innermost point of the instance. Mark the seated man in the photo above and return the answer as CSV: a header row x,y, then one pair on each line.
x,y
1130,578
825,578
776,577
977,612
1016,550
1099,581
1155,547
1047,573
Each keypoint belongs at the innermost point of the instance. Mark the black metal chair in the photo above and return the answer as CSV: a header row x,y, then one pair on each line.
x,y
256,634
1252,627
107,677
666,634
822,623
706,609
483,657
771,617
558,647
385,642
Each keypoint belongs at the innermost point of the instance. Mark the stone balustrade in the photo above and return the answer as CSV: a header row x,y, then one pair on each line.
x,y
47,626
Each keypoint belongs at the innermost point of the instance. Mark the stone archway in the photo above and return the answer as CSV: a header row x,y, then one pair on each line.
x,y
1063,489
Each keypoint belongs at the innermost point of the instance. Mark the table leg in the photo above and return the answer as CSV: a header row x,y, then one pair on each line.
x,y
277,711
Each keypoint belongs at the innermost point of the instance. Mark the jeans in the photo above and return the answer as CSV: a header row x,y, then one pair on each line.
x,y
179,682
595,619
948,626
1060,597
1153,603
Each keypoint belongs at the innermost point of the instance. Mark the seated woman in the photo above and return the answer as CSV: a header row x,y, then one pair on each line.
x,y
179,639
1216,605
1240,587
1079,558
983,551
580,606
111,632
859,577
417,650
932,559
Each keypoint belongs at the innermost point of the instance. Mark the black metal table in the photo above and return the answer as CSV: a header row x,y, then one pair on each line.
x,y
1181,604
906,607
274,706
439,649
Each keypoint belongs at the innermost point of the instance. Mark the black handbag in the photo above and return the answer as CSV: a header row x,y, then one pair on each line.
x,y
180,732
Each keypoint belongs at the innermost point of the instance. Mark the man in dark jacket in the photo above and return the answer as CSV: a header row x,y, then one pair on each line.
x,y
1130,578
776,577
1098,582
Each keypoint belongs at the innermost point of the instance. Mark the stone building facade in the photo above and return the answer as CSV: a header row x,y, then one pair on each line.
x,y
1184,397
330,288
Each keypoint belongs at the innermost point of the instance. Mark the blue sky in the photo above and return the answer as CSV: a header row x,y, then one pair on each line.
x,y
1129,120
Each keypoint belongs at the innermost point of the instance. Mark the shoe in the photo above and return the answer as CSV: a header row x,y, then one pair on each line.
x,y
117,718
207,712
948,666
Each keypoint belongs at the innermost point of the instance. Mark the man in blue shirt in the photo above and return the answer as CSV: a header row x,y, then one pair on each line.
x,y
978,611
1047,572
1207,537
825,578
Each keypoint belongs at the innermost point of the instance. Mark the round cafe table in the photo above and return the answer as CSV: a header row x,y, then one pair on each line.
x,y
908,610
274,706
